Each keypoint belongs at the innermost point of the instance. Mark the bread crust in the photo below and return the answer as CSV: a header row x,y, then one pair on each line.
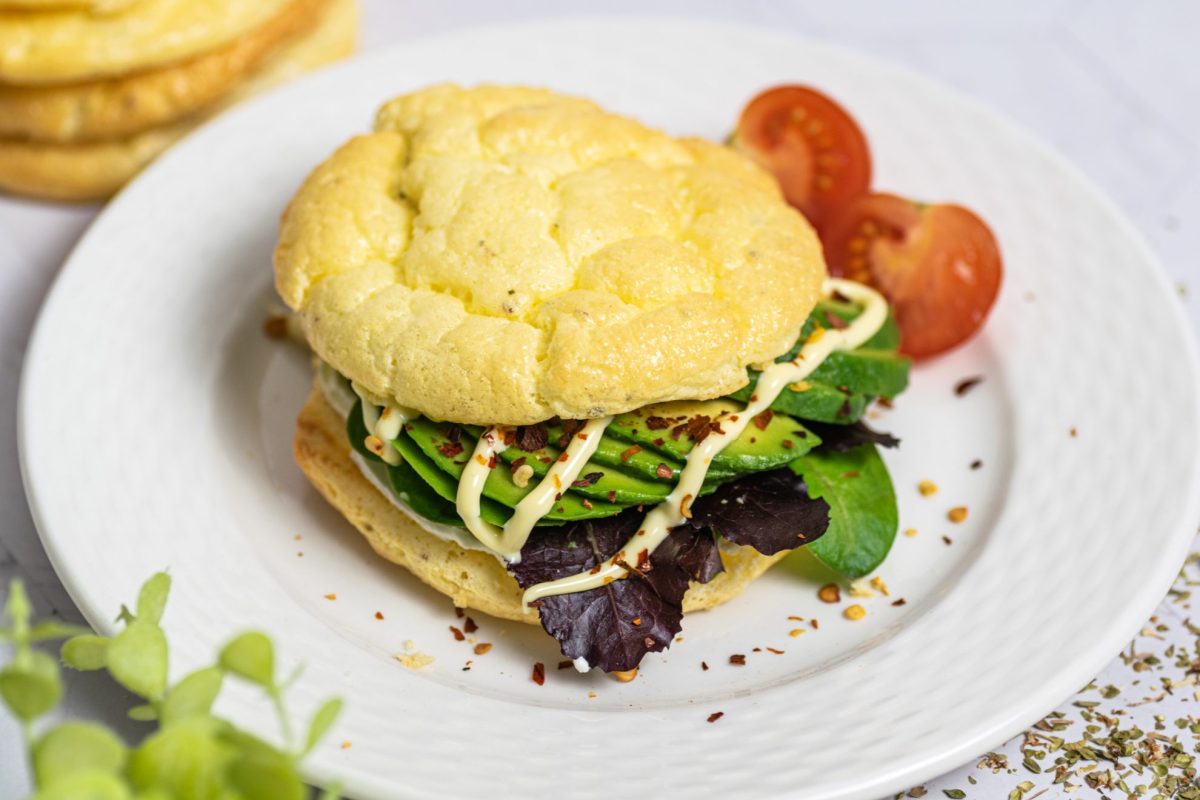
x,y
127,104
502,254
95,170
470,578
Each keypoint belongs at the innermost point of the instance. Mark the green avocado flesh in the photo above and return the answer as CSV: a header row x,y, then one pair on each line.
x,y
641,454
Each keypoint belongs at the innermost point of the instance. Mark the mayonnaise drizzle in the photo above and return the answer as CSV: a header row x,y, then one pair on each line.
x,y
672,511
509,540
383,421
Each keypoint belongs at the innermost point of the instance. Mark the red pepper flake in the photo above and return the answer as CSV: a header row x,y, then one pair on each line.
x,y
659,442
469,626
491,463
834,321
976,464
458,612
539,673
612,497
275,327
378,615
458,635
663,471
483,648
453,433
851,474
947,540
636,621
563,456
643,559
704,666
899,602
588,480
716,715
756,650
545,459
531,437
586,504
565,664
630,452
450,449
773,650
816,625
787,444
700,426
570,428
967,384
763,419
738,659
657,423
677,431
517,463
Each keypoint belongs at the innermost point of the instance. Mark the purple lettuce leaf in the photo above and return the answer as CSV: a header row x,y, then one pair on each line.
x,y
769,511
613,627
846,437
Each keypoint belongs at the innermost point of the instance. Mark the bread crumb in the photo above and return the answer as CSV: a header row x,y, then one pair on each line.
x,y
861,588
910,532
957,514
926,488
855,612
414,660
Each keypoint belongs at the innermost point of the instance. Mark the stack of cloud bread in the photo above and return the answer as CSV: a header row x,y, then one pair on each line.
x,y
93,90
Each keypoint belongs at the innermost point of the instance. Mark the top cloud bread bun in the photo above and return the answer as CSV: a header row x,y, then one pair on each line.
x,y
505,254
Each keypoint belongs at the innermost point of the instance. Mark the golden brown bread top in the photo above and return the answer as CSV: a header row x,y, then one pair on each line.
x,y
506,254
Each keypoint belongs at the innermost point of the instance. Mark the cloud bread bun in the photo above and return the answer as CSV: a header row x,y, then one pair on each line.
x,y
96,6
126,104
83,42
93,170
470,578
504,255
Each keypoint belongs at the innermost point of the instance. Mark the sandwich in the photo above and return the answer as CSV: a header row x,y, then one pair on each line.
x,y
574,371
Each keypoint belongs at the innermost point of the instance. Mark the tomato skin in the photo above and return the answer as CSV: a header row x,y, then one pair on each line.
x,y
938,265
812,146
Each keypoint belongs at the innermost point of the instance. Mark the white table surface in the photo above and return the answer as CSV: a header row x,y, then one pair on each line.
x,y
1114,85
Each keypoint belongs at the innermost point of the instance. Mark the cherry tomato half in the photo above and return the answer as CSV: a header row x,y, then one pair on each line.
x,y
938,265
811,144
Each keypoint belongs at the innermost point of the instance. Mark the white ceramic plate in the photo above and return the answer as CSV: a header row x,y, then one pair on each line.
x,y
156,426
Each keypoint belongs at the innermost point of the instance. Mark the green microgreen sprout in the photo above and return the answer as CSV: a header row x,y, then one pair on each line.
x,y
192,753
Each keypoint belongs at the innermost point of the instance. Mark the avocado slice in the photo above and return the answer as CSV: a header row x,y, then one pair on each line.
x,y
406,482
615,452
446,456
781,440
614,484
